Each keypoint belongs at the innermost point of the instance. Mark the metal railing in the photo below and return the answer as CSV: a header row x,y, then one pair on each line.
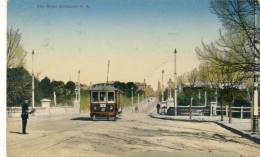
x,y
242,110
214,110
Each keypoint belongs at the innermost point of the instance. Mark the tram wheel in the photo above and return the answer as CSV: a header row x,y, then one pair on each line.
x,y
93,117
114,118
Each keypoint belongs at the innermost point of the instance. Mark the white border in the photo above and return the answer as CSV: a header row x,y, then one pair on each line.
x,y
3,29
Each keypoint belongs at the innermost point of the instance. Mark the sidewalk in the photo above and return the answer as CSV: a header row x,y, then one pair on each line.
x,y
238,126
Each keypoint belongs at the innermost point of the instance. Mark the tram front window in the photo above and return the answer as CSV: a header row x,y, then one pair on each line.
x,y
94,96
102,96
110,96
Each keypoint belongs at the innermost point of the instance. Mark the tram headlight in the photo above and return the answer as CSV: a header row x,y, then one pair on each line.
x,y
95,107
111,107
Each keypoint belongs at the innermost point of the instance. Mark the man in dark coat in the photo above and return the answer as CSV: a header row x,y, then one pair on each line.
x,y
158,106
25,114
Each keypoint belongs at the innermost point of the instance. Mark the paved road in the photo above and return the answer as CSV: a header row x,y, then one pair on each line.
x,y
132,135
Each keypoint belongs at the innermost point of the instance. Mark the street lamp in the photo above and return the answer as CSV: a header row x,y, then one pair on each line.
x,y
191,99
162,87
132,91
175,79
33,98
256,75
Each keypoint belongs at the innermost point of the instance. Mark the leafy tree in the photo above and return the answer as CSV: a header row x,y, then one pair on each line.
x,y
70,86
18,86
46,88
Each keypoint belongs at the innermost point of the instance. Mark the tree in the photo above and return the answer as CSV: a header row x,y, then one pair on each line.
x,y
18,86
70,86
46,88
225,78
15,52
239,39
193,77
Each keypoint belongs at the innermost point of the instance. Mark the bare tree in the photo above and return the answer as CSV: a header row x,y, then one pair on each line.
x,y
238,19
15,52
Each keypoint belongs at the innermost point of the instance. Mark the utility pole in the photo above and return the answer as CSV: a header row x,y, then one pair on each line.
x,y
191,99
33,98
162,87
132,91
175,79
256,76
138,99
79,88
108,69
54,98
205,97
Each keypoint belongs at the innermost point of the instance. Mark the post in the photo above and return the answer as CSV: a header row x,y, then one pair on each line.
x,y
256,75
54,98
205,96
33,98
79,89
226,111
162,87
216,97
175,80
190,107
132,98
138,100
210,109
241,112
108,69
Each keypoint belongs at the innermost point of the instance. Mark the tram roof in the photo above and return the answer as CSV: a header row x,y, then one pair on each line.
x,y
103,88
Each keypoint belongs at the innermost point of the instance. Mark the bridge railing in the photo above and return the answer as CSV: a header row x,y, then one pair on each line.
x,y
212,110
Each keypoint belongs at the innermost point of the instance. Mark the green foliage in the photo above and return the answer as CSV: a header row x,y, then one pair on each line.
x,y
84,100
18,86
126,88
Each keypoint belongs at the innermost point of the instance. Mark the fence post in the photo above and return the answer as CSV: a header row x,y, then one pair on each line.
x,y
210,109
226,111
241,112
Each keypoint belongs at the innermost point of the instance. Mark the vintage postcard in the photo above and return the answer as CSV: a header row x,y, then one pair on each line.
x,y
131,78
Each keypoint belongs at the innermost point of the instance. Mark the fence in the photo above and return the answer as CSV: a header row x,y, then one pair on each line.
x,y
43,111
213,110
242,110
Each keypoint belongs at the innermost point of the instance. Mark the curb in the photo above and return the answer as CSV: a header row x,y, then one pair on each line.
x,y
184,120
239,132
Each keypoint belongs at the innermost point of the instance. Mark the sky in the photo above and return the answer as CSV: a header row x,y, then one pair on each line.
x,y
137,36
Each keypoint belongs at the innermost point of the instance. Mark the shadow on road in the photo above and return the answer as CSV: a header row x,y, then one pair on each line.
x,y
82,118
15,132
96,119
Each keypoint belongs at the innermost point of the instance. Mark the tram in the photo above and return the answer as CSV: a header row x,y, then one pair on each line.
x,y
105,101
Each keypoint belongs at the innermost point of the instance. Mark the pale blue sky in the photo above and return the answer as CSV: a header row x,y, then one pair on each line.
x,y
138,36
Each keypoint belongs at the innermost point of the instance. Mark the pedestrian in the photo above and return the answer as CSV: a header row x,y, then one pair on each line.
x,y
158,106
25,115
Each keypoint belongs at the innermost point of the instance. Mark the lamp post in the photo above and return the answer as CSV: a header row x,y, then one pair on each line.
x,y
175,80
191,99
54,98
162,87
79,89
132,91
256,76
33,98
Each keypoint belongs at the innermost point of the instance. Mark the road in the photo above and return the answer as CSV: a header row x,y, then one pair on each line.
x,y
132,135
